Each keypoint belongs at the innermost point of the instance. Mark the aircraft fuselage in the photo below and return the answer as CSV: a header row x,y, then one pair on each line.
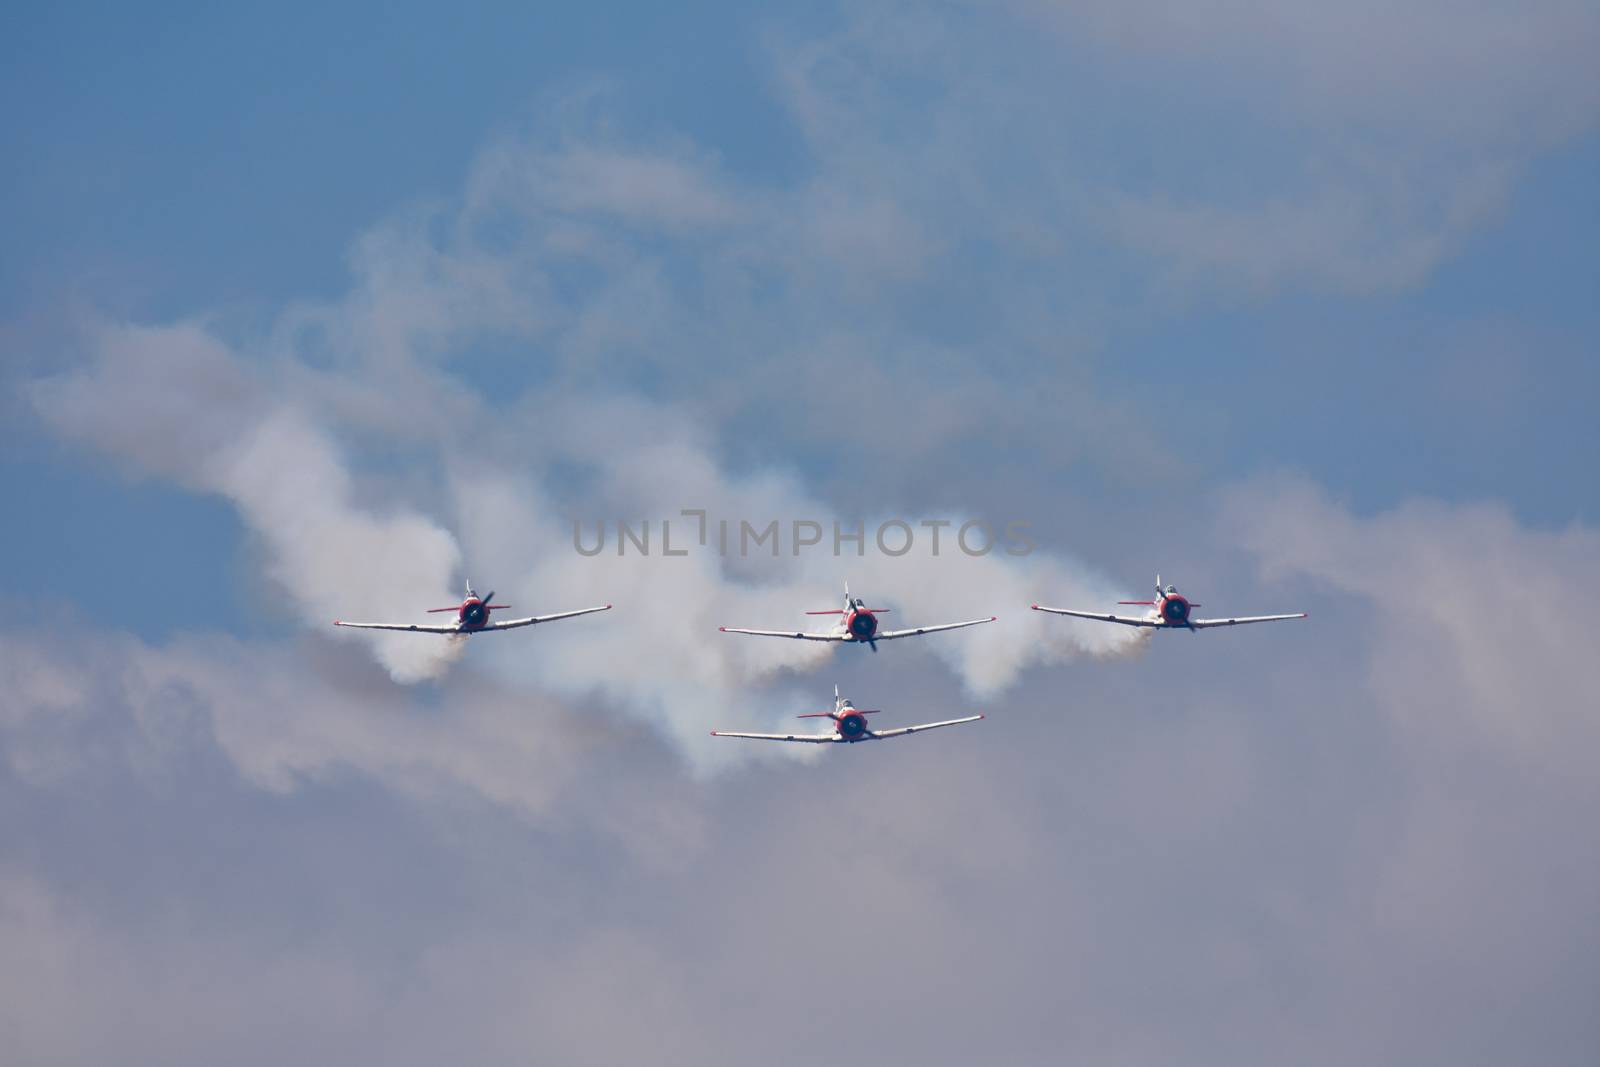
x,y
861,624
1173,610
473,614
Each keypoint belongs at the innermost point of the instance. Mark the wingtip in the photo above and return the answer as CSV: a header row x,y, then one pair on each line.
x,y
336,622
722,629
1035,607
993,618
608,607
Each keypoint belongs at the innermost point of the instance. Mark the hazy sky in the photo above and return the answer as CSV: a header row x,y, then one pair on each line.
x,y
311,313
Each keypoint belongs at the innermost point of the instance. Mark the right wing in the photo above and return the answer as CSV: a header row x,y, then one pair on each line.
x,y
1126,620
814,739
924,726
890,635
511,624
1202,624
399,626
782,633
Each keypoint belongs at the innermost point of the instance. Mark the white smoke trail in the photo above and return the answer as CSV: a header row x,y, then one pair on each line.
x,y
177,403
333,559
659,655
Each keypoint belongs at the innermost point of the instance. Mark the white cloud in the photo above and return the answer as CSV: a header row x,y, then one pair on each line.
x,y
1441,69
1471,612
1235,147
1386,814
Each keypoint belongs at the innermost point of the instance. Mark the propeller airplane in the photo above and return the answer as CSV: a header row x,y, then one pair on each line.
x,y
857,623
849,726
472,617
1169,611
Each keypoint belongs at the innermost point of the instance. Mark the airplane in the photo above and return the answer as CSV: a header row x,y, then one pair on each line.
x,y
1171,612
849,726
472,617
857,623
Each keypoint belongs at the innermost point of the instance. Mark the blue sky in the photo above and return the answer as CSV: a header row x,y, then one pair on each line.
x,y
248,148
313,312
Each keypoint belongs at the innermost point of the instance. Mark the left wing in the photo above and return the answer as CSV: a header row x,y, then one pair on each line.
x,y
795,634
925,726
1201,624
815,739
1100,616
398,626
890,635
512,623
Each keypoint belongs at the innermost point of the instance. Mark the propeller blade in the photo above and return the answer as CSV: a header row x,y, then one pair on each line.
x,y
872,643
490,597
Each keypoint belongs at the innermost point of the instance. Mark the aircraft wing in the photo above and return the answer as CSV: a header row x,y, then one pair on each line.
x,y
453,629
398,626
513,623
796,634
925,726
1201,624
833,739
890,635
1126,620
814,739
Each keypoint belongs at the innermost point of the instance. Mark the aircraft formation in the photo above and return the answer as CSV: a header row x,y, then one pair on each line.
x,y
855,623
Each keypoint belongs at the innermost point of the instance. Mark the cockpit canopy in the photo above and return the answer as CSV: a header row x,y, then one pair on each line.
x,y
1172,590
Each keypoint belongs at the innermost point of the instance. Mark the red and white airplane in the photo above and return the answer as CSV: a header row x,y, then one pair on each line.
x,y
849,726
858,623
472,617
1169,612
